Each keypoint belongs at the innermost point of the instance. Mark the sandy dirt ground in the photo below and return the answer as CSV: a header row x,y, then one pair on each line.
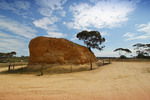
x,y
116,81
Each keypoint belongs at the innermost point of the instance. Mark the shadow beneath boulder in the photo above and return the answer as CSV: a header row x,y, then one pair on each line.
x,y
14,71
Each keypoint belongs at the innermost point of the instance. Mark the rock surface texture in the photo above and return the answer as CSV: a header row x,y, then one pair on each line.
x,y
58,51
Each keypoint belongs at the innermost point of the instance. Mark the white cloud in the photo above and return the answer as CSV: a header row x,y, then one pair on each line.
x,y
104,33
55,34
63,13
144,29
130,35
74,38
137,37
46,23
49,6
5,35
45,12
16,6
7,6
64,23
10,43
18,28
48,9
100,14
53,4
2,34
142,37
22,5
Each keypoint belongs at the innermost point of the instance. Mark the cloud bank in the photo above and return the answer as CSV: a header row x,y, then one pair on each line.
x,y
16,6
100,14
142,32
48,22
16,27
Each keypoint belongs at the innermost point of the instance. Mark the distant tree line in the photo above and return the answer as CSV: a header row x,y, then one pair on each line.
x,y
11,57
142,51
4,56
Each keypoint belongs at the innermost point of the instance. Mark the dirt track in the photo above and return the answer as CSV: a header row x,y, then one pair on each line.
x,y
117,81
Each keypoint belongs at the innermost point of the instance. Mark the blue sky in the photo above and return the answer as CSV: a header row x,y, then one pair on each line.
x,y
122,22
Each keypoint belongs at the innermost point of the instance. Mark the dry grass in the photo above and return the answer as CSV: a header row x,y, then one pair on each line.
x,y
59,69
52,69
16,64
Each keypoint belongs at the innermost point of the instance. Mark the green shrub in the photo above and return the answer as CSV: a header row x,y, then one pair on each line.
x,y
123,57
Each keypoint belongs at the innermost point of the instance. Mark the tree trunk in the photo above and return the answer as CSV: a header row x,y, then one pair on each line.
x,y
9,67
41,70
89,49
90,59
71,68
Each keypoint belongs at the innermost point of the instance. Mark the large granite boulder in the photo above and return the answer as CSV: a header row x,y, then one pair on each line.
x,y
44,50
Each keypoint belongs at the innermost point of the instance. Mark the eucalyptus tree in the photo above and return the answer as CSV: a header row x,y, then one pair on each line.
x,y
92,39
142,50
121,50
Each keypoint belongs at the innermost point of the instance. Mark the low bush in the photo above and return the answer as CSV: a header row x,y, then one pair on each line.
x,y
123,57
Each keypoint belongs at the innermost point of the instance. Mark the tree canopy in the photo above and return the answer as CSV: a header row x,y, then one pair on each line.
x,y
92,39
122,50
142,49
6,55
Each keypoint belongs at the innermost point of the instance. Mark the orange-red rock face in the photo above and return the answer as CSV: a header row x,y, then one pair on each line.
x,y
58,51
